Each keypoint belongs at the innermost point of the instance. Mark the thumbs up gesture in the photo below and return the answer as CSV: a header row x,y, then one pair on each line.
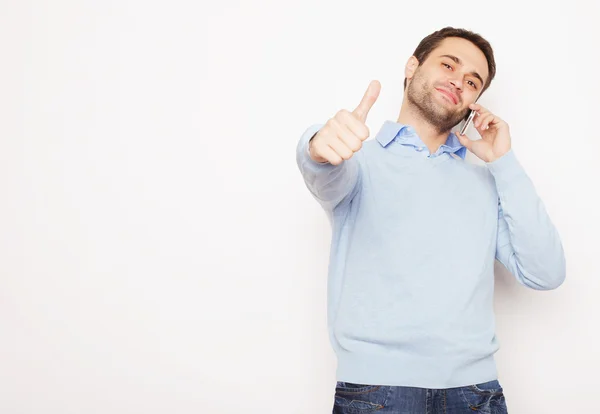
x,y
344,134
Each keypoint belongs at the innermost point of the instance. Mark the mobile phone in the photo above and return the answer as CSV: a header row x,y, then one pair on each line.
x,y
469,119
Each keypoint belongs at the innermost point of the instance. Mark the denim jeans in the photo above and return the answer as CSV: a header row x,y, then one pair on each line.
x,y
484,398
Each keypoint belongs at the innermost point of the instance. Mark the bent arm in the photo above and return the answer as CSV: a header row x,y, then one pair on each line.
x,y
528,244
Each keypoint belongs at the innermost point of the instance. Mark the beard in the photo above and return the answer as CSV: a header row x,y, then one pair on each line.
x,y
442,117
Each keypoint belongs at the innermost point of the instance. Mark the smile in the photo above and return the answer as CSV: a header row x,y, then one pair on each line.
x,y
448,96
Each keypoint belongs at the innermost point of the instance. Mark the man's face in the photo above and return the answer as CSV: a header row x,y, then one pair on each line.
x,y
442,88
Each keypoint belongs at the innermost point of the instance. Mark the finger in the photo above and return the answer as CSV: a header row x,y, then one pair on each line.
x,y
358,128
490,121
481,112
347,136
484,120
477,107
330,155
341,149
369,98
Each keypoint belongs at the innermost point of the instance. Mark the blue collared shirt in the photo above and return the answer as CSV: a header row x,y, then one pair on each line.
x,y
406,135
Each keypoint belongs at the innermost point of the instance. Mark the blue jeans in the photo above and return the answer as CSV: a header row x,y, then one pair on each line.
x,y
485,398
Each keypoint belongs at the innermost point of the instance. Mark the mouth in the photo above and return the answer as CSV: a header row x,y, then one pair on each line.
x,y
450,96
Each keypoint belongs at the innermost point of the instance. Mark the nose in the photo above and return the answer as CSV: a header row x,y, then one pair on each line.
x,y
457,83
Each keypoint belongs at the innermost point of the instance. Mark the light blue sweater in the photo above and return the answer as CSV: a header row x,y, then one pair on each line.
x,y
411,272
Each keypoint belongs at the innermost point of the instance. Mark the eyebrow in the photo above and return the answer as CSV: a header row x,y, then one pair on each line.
x,y
459,62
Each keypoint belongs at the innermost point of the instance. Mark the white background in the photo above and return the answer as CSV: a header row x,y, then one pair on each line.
x,y
159,252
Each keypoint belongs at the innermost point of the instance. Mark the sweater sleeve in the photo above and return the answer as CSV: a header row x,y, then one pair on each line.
x,y
528,244
329,184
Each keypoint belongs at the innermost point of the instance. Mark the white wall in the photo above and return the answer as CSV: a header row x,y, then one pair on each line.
x,y
158,249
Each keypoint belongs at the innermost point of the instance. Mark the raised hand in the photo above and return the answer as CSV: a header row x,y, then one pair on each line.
x,y
344,134
495,135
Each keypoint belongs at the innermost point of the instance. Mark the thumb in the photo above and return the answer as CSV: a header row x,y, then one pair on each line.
x,y
371,95
465,141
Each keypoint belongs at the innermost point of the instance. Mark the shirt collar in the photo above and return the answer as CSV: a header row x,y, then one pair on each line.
x,y
406,135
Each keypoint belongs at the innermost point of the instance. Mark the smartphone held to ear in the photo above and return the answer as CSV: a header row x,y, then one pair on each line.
x,y
469,120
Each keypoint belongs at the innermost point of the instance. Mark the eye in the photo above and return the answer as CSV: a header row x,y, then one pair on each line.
x,y
473,84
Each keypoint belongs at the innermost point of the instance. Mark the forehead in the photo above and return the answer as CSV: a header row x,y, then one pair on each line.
x,y
471,56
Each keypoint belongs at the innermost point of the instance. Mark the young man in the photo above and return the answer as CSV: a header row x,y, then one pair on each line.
x,y
416,230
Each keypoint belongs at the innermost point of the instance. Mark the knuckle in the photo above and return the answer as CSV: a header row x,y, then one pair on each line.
x,y
356,146
339,116
328,134
323,131
334,124
344,116
363,134
347,155
335,161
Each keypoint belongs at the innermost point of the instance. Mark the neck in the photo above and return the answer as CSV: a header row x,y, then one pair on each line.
x,y
428,133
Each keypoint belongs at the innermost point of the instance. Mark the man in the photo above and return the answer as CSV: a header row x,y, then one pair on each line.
x,y
415,232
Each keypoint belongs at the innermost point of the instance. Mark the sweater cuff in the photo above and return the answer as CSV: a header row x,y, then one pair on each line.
x,y
506,169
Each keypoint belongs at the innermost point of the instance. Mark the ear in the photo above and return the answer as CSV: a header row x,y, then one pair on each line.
x,y
411,67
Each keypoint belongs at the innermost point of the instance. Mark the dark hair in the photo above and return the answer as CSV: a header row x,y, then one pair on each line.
x,y
434,39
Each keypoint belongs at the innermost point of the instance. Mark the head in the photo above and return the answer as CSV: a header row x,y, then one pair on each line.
x,y
448,71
